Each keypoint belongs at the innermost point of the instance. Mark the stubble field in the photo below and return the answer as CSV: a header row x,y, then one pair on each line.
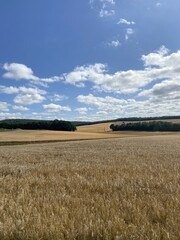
x,y
125,188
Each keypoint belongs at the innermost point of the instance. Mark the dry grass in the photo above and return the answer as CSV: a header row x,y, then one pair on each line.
x,y
102,189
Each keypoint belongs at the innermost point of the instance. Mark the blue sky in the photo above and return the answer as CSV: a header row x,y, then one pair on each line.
x,y
89,59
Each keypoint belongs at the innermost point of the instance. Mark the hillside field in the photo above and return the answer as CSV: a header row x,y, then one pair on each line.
x,y
95,131
102,189
114,185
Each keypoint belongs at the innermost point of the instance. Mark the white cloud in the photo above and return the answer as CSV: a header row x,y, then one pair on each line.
x,y
101,113
85,73
165,90
28,99
9,90
20,108
56,108
126,22
10,115
110,107
104,6
32,90
160,76
17,71
14,90
25,96
119,82
58,98
106,13
4,106
115,43
107,104
158,66
129,31
160,58
82,110
162,98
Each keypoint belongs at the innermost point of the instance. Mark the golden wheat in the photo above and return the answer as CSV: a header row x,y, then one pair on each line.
x,y
101,189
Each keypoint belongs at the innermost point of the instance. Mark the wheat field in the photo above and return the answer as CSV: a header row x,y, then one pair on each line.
x,y
118,189
95,131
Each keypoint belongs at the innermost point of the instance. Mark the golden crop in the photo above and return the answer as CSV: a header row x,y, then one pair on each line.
x,y
117,189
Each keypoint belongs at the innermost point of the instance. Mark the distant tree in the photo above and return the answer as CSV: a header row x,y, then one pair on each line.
x,y
37,125
147,126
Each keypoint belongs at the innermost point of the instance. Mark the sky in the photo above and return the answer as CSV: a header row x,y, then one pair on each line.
x,y
89,60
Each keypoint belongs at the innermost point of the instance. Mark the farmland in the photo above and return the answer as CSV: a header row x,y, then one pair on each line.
x,y
96,131
119,188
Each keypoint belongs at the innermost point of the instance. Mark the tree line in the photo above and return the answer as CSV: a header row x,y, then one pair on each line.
x,y
128,119
147,126
58,125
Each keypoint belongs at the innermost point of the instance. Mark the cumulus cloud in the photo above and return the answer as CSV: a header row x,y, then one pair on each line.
x,y
17,71
4,106
165,90
28,99
10,115
14,90
20,108
158,66
107,104
25,96
119,82
8,90
56,108
159,58
82,110
58,98
85,73
126,22
110,107
157,85
101,113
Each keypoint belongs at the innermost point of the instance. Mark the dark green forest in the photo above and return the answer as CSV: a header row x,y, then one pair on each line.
x,y
147,126
57,125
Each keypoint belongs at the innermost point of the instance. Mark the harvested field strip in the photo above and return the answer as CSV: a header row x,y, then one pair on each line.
x,y
14,143
19,137
41,135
